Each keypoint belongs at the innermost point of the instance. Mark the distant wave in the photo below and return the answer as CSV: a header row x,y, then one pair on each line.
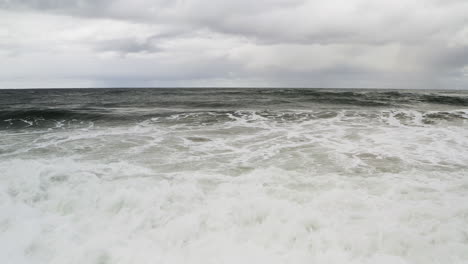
x,y
50,114
61,108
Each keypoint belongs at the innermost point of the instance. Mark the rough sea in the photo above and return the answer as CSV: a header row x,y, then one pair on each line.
x,y
165,176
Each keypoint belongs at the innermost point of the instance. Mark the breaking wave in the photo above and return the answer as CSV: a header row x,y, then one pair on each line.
x,y
63,118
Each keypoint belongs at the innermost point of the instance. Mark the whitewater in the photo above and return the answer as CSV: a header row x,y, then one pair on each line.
x,y
108,176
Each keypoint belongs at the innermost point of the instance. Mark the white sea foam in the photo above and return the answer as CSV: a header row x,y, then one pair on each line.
x,y
360,186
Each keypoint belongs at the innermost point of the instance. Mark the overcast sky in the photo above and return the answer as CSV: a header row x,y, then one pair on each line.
x,y
280,43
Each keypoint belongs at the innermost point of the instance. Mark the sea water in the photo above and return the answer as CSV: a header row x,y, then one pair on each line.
x,y
233,176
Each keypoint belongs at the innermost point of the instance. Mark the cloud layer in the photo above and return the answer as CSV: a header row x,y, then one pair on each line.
x,y
293,43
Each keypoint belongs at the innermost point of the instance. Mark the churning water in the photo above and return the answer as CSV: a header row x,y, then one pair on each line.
x,y
233,176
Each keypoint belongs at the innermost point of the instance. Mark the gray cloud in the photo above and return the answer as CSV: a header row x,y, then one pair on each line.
x,y
78,7
403,44
127,46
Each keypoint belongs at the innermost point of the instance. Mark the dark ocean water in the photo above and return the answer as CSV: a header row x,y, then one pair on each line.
x,y
233,176
45,107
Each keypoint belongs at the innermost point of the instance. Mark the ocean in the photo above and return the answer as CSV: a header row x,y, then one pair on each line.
x,y
233,176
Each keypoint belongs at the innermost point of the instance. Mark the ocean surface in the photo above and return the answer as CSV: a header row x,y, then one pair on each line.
x,y
104,176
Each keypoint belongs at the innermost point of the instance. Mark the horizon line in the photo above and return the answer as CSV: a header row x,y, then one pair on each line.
x,y
228,87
